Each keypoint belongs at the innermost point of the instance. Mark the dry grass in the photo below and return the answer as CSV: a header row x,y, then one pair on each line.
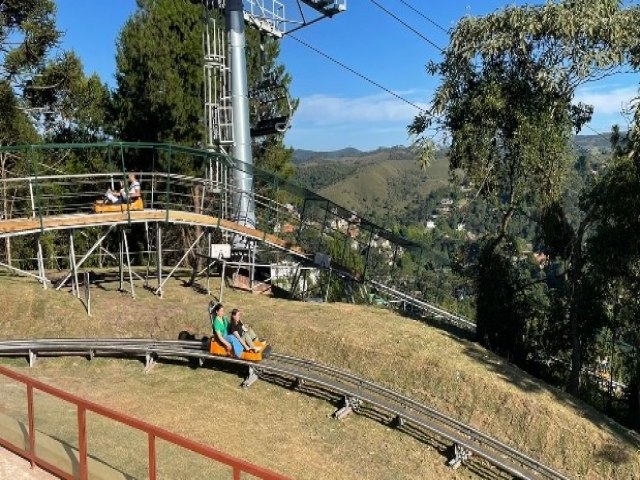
x,y
292,433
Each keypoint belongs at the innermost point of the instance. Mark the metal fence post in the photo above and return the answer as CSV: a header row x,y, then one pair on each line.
x,y
152,457
32,428
82,442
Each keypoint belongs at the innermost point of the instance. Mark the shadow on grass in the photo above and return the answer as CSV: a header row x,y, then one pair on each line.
x,y
529,384
481,469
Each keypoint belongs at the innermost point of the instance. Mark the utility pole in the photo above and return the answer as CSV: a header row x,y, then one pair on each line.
x,y
229,125
243,175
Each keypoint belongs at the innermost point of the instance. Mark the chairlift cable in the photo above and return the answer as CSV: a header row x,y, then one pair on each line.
x,y
358,74
397,18
430,20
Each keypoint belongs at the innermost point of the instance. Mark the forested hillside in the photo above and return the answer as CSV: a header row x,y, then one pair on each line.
x,y
387,184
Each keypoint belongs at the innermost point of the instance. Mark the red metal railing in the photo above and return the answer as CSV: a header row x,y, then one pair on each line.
x,y
153,432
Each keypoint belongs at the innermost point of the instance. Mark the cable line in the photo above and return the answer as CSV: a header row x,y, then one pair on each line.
x,y
358,74
431,21
388,12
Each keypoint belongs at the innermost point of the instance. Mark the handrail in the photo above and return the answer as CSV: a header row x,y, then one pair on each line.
x,y
153,432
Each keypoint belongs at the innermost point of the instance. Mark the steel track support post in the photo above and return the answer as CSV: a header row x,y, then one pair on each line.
x,y
399,421
87,293
96,245
126,249
150,360
300,227
222,278
366,260
159,258
148,242
393,263
186,254
74,267
41,270
32,358
252,378
252,269
294,282
326,292
461,454
234,12
350,405
120,260
20,272
324,226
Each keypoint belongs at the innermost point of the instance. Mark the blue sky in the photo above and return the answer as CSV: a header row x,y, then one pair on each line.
x,y
338,109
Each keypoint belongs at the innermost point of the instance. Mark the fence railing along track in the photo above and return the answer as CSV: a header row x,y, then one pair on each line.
x,y
153,433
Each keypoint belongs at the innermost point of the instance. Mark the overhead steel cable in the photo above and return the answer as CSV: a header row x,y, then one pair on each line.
x,y
431,21
358,74
397,18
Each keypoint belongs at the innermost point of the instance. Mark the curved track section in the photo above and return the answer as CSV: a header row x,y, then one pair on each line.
x,y
358,394
28,226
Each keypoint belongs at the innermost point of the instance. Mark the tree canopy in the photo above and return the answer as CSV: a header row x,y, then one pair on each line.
x,y
507,102
159,95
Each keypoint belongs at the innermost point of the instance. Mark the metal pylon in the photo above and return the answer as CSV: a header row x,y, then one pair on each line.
x,y
218,112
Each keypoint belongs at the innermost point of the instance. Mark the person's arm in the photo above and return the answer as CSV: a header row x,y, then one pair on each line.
x,y
221,339
134,191
217,333
244,344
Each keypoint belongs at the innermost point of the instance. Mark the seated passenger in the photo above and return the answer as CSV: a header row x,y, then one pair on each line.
x,y
115,196
243,333
122,196
221,334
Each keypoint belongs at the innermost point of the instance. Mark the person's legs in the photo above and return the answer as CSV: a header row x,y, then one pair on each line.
x,y
248,339
112,198
235,344
251,334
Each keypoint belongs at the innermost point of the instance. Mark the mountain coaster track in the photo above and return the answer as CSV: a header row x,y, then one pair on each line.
x,y
358,394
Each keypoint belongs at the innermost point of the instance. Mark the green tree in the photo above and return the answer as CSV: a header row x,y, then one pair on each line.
x,y
614,251
160,79
27,35
76,110
159,74
507,101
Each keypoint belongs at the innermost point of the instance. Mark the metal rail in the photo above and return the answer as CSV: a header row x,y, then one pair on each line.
x,y
359,394
436,312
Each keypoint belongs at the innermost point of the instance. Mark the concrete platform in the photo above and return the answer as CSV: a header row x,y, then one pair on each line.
x,y
16,468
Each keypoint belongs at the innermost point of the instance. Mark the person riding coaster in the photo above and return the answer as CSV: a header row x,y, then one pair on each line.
x,y
121,200
232,338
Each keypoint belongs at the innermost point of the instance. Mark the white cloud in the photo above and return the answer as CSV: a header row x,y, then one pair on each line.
x,y
607,102
323,110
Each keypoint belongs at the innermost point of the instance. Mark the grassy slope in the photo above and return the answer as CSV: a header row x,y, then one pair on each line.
x,y
450,374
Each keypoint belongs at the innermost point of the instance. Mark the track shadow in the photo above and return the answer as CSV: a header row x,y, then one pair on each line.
x,y
479,467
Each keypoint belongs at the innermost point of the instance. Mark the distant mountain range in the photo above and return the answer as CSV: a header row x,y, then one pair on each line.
x,y
586,142
387,182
